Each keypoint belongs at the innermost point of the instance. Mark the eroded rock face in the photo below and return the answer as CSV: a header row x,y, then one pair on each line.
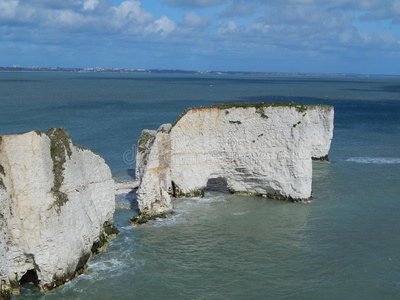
x,y
259,149
56,209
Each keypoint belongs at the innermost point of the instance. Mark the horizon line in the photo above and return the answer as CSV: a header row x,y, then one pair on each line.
x,y
17,68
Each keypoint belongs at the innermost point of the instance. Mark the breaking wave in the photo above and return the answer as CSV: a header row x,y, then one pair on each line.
x,y
374,160
240,213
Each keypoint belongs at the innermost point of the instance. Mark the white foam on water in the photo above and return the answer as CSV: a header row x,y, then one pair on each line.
x,y
170,220
183,210
127,227
208,199
106,265
374,160
112,267
240,213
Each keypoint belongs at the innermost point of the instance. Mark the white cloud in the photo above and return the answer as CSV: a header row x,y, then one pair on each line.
x,y
163,26
13,11
131,11
67,19
295,26
8,8
90,4
226,27
191,19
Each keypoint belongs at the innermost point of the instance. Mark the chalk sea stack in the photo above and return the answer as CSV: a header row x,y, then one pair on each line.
x,y
56,209
263,149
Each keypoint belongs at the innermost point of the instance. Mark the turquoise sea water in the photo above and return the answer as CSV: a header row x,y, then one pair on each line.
x,y
343,245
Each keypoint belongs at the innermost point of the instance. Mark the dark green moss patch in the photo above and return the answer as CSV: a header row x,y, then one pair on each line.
x,y
275,196
260,111
81,147
322,158
5,291
99,244
178,193
285,198
180,116
259,105
235,122
81,266
298,123
60,149
2,185
110,230
314,106
144,218
165,128
146,138
195,193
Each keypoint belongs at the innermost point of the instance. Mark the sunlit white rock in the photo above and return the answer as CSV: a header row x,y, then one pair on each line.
x,y
259,149
56,208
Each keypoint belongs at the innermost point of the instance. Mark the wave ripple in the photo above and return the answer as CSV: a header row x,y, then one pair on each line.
x,y
374,160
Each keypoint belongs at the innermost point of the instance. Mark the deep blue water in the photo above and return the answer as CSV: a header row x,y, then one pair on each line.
x,y
343,245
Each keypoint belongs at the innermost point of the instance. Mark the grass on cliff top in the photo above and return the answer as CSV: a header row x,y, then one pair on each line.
x,y
228,105
258,106
301,106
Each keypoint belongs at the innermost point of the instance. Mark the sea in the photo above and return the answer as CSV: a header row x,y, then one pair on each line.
x,y
344,244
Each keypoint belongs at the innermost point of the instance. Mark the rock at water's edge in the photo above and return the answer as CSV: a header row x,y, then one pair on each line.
x,y
260,149
56,209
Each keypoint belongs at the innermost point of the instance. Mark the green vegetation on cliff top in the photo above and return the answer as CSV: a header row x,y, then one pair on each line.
x,y
258,106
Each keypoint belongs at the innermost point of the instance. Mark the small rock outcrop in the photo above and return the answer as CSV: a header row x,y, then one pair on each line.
x,y
258,149
56,209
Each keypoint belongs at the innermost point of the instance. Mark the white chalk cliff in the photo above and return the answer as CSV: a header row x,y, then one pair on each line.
x,y
56,209
259,149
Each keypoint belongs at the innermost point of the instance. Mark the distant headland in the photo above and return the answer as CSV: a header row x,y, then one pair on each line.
x,y
17,68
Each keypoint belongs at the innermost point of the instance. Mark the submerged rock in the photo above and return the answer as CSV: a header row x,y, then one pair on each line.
x,y
56,209
144,218
260,149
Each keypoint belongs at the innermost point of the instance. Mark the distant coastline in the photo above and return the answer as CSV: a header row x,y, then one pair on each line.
x,y
177,71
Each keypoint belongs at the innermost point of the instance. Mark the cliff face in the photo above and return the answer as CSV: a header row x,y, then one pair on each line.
x,y
261,149
56,209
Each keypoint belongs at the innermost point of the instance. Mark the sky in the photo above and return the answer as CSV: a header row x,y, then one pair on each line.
x,y
316,36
